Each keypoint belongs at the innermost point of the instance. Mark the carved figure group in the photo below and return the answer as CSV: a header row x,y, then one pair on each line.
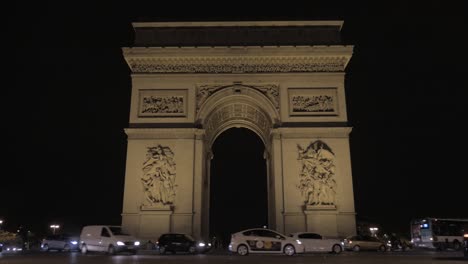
x,y
317,183
166,104
321,103
158,177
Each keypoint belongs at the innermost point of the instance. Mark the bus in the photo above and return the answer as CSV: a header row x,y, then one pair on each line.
x,y
438,233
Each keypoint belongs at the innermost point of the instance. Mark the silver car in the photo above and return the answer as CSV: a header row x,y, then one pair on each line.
x,y
262,240
358,243
314,242
61,242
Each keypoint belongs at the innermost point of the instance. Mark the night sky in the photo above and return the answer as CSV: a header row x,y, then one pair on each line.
x,y
66,100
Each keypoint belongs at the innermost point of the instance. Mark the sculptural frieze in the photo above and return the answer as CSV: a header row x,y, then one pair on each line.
x,y
317,177
158,177
239,65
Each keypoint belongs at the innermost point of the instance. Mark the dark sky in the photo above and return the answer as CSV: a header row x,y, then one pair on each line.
x,y
66,100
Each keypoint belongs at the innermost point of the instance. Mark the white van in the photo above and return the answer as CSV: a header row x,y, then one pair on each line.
x,y
108,239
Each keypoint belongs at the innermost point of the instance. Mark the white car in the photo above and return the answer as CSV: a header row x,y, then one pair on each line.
x,y
108,239
314,242
262,240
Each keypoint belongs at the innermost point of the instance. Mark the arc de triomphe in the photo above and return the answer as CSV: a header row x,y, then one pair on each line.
x,y
282,80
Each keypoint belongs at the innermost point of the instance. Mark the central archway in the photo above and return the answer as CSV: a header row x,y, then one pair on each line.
x,y
237,108
238,184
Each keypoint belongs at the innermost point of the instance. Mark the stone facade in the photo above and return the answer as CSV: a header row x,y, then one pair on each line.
x,y
292,97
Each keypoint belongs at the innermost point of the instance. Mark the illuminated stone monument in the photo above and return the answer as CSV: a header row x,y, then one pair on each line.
x,y
193,80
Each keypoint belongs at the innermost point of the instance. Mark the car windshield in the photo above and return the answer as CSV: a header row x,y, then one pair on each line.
x,y
117,231
189,237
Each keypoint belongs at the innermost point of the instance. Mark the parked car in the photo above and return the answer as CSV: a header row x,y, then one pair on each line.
x,y
314,242
262,240
110,239
61,242
465,245
177,242
358,243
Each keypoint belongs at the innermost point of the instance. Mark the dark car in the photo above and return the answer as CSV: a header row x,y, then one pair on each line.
x,y
60,242
176,242
397,242
10,247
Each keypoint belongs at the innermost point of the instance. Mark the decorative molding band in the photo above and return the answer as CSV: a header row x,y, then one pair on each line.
x,y
321,212
311,132
240,64
164,133
238,24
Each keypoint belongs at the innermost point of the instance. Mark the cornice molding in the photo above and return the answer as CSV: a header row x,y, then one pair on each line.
x,y
238,59
164,133
311,132
238,24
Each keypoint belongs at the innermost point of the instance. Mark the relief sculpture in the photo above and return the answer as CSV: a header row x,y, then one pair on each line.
x,y
158,179
317,178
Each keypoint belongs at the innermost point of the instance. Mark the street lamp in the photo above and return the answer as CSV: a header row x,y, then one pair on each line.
x,y
54,227
1,222
374,230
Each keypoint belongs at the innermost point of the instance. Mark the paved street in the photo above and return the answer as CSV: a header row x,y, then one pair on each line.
x,y
416,257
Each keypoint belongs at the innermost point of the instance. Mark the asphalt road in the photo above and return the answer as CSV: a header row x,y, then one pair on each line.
x,y
143,257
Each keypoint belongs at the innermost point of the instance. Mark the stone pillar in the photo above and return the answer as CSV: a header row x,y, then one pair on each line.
x,y
198,172
277,176
205,229
154,222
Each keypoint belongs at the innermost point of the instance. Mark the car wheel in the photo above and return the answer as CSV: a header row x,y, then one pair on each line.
x,y
84,249
162,250
111,250
382,248
289,250
66,247
45,247
242,250
441,247
336,249
356,248
192,250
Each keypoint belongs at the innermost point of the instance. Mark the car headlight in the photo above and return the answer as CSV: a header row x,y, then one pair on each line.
x,y
74,242
120,243
137,243
209,244
201,244
298,242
